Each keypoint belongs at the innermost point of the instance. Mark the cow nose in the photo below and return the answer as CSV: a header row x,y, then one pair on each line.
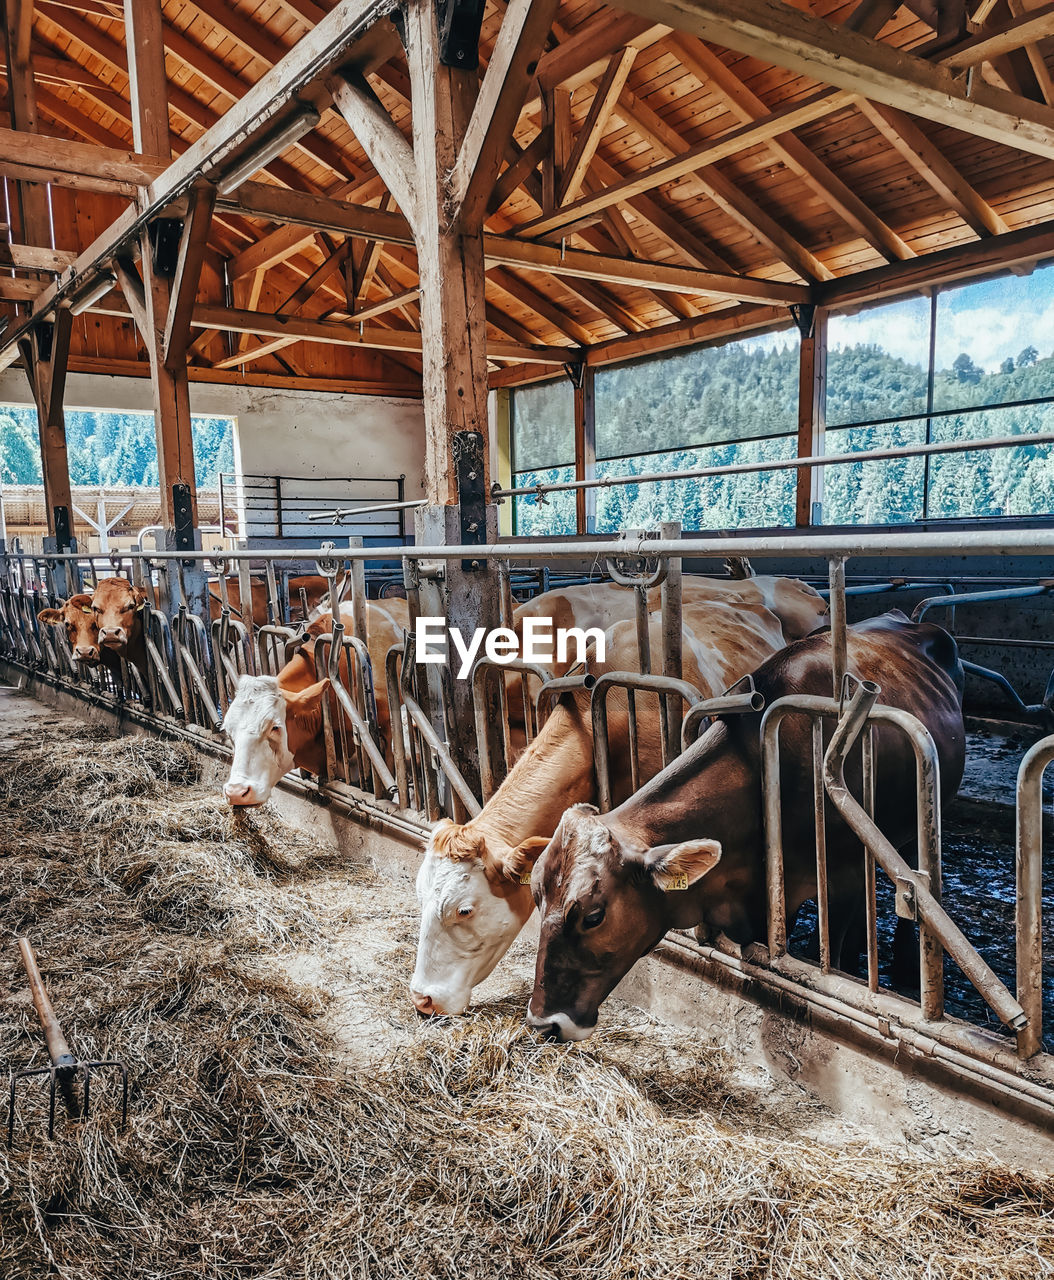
x,y
111,635
423,1004
239,793
85,653
548,1030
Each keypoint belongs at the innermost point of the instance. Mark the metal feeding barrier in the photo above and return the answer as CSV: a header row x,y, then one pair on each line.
x,y
425,770
64,1069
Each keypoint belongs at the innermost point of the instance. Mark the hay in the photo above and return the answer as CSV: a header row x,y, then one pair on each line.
x,y
474,1151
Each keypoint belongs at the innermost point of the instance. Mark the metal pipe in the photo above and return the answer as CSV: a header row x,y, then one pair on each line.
x,y
839,641
725,704
928,907
979,597
783,464
1029,864
335,517
484,666
1001,542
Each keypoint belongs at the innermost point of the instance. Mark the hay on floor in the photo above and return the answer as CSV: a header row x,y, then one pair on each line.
x,y
476,1152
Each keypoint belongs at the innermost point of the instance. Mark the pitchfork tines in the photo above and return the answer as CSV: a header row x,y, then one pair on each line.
x,y
64,1069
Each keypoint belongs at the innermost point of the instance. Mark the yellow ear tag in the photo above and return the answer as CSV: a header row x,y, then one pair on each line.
x,y
140,607
85,608
525,876
673,883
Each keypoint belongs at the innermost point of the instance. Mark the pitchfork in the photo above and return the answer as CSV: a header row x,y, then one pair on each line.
x,y
64,1067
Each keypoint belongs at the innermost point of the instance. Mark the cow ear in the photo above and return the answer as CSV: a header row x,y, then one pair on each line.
x,y
141,598
51,617
519,862
678,866
306,706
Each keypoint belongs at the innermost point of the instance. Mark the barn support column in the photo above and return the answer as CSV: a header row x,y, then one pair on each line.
x,y
812,412
454,358
160,294
45,353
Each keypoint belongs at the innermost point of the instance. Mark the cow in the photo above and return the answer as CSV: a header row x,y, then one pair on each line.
x,y
275,722
688,850
470,910
314,586
82,631
118,607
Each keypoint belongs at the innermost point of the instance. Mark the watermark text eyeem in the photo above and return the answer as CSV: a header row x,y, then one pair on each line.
x,y
542,642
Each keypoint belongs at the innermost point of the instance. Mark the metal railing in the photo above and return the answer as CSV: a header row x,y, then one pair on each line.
x,y
193,664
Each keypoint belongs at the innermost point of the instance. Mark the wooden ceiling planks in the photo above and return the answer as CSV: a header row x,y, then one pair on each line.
x,y
758,212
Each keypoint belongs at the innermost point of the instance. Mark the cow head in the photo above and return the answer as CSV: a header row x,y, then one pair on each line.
x,y
603,904
472,908
268,727
82,631
118,609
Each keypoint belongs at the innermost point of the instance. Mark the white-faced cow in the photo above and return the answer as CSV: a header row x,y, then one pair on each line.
x,y
275,722
688,849
471,909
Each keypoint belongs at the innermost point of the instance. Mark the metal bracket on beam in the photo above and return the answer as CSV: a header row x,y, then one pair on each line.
x,y
459,26
577,374
63,529
184,529
804,315
45,336
165,235
471,493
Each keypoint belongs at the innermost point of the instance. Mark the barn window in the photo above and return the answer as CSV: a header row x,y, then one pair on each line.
x,y
543,452
968,363
710,406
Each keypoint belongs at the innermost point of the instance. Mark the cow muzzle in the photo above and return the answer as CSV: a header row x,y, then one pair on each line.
x,y
558,1026
113,637
241,794
86,654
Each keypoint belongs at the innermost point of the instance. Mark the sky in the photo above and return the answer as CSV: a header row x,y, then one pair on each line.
x,y
989,320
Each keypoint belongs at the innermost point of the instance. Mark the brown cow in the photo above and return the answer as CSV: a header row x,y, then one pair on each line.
x,y
315,587
118,607
470,911
82,631
688,849
275,722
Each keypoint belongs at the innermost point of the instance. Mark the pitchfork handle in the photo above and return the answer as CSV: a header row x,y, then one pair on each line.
x,y
58,1049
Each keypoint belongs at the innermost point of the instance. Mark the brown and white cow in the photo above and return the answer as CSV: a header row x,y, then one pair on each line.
x,y
471,911
82,631
119,608
275,722
688,849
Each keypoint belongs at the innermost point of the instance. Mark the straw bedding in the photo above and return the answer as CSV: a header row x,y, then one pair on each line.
x,y
256,1150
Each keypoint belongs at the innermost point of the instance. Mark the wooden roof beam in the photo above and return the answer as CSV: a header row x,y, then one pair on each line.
x,y
797,41
930,162
703,154
380,137
1018,31
522,162
513,61
596,122
184,285
712,71
511,284
343,334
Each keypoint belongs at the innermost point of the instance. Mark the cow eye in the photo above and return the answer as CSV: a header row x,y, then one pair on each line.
x,y
595,917
465,912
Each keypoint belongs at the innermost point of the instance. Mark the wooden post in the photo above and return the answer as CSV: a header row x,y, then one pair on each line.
x,y
46,353
812,412
502,424
585,449
454,357
171,391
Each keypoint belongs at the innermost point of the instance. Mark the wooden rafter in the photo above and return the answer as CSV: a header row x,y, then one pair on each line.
x,y
388,150
707,67
695,158
810,46
184,286
927,159
611,84
523,30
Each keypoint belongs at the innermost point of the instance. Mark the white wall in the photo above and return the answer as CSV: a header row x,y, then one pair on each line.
x,y
279,432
